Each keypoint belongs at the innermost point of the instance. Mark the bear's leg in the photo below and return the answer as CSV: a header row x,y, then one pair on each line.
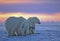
x,y
30,30
19,31
9,33
33,29
27,31
12,32
23,32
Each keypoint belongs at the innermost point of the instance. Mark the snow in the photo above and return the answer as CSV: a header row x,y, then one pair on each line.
x,y
40,35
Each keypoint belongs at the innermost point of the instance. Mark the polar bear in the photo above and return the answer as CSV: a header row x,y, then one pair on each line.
x,y
25,29
12,25
9,24
32,21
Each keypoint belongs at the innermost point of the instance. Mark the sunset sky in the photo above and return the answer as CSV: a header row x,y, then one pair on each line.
x,y
45,10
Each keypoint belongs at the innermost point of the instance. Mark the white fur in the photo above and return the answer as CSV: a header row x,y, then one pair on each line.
x,y
12,24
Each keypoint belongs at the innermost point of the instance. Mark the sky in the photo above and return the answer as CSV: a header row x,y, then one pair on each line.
x,y
45,10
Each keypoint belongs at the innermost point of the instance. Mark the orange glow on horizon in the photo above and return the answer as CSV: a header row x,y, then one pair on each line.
x,y
23,1
19,1
42,17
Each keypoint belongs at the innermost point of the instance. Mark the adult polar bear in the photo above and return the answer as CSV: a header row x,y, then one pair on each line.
x,y
12,25
32,21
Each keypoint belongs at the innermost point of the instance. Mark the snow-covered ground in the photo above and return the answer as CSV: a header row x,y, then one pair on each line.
x,y
41,34
48,27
